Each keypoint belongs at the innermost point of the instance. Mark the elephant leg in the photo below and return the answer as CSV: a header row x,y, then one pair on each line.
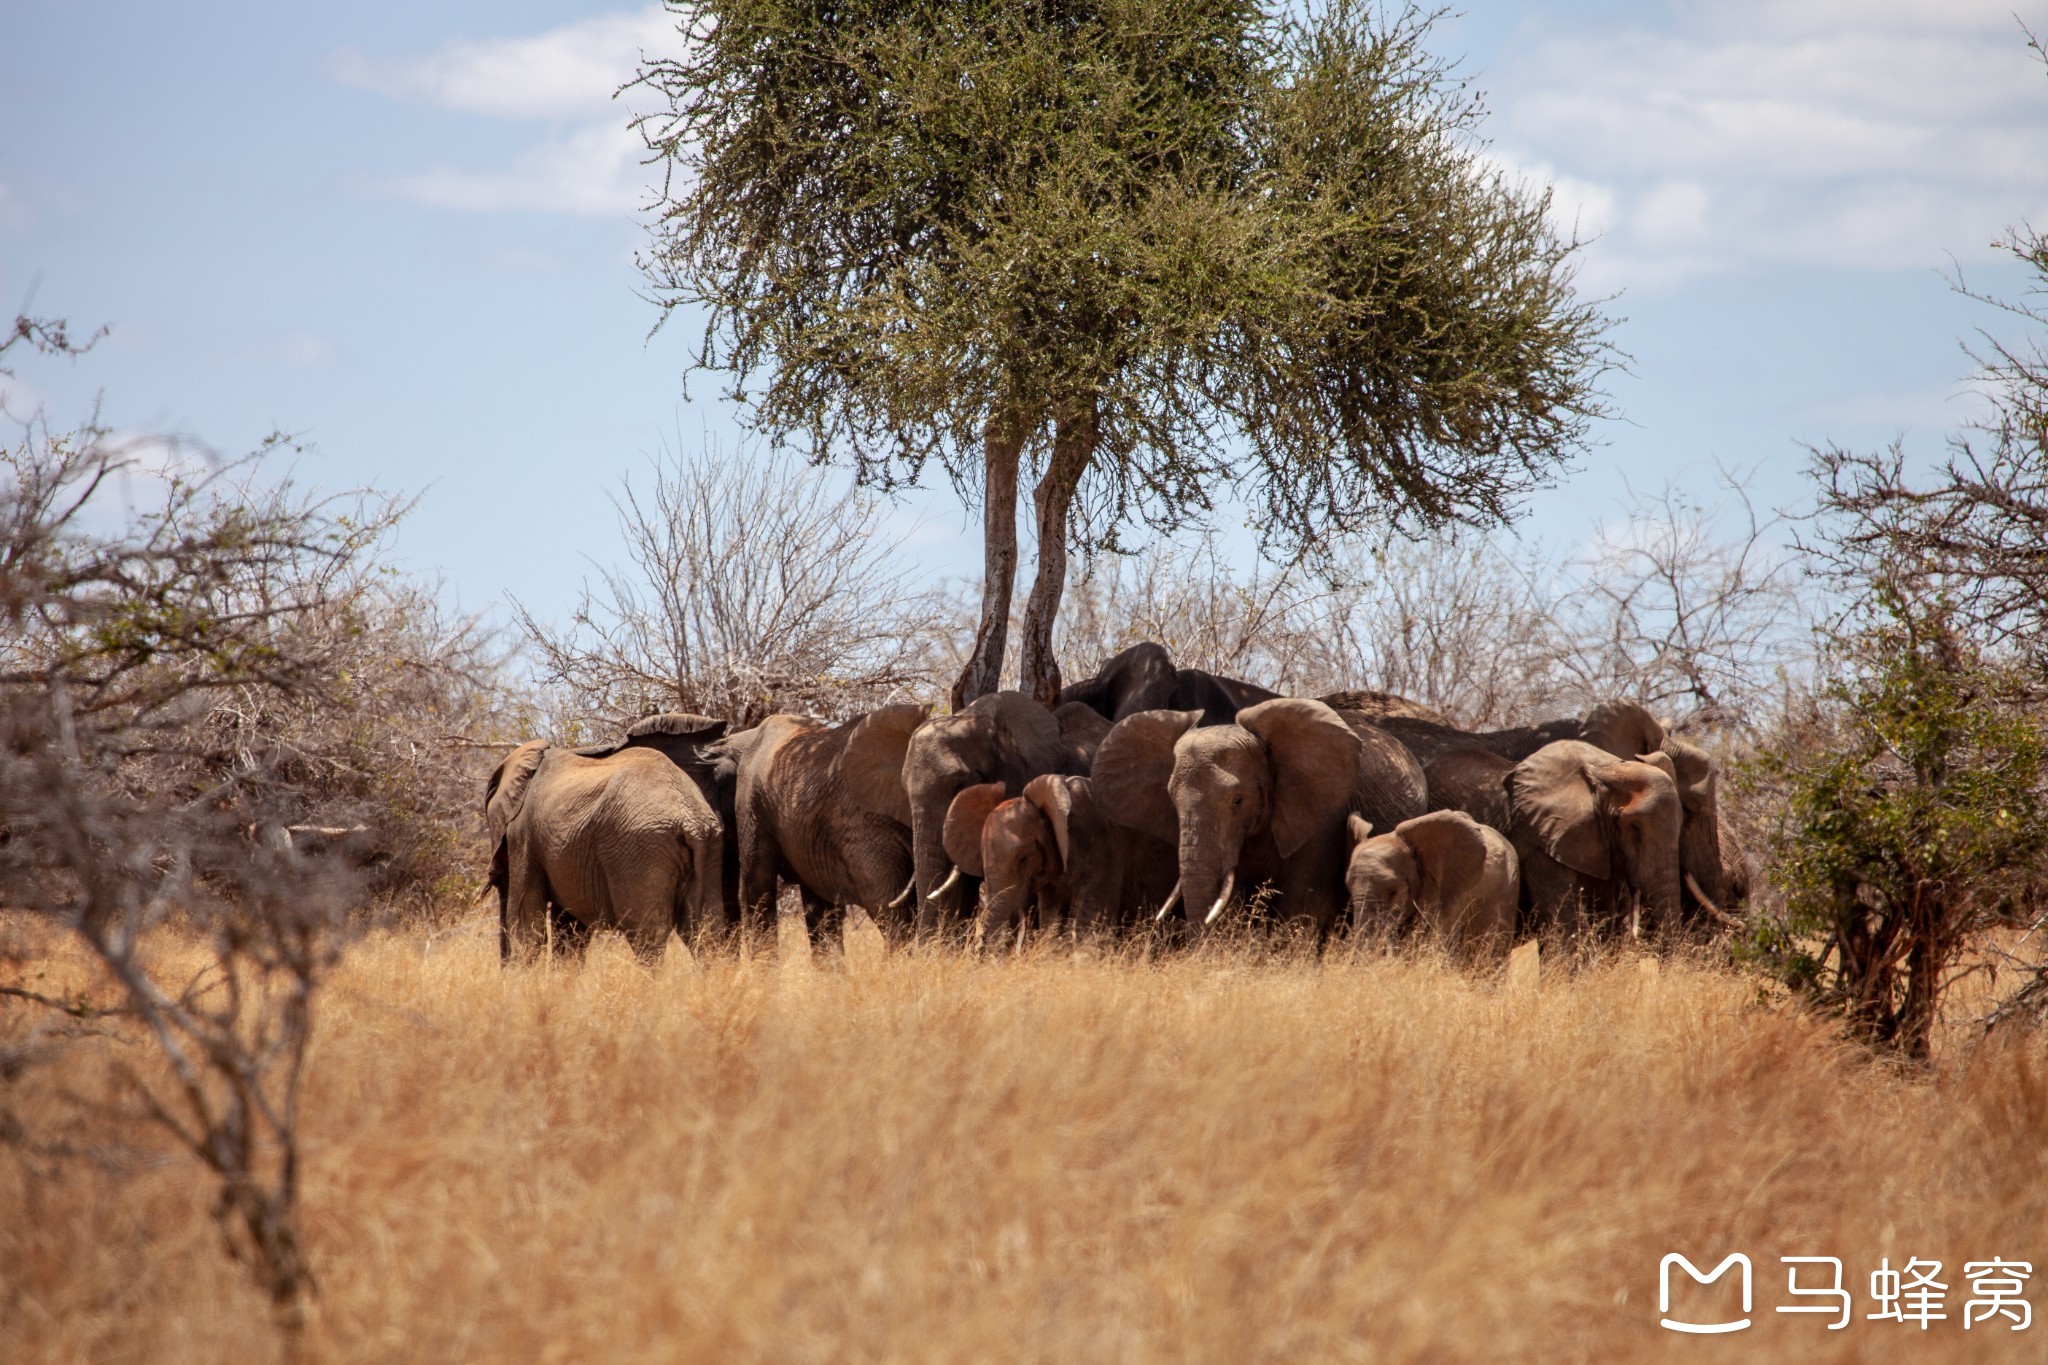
x,y
757,881
821,916
524,925
571,935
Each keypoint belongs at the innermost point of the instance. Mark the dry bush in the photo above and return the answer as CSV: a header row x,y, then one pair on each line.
x,y
1686,606
1228,1157
196,663
753,584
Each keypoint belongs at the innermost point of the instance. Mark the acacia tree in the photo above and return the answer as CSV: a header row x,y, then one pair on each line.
x,y
1146,247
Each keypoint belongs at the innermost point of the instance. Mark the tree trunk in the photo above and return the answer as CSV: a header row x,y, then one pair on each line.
x,y
1073,446
1002,443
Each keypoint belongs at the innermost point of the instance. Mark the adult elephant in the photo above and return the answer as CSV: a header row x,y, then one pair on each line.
x,y
1456,877
823,806
1260,801
1595,834
1050,853
1004,737
692,743
1625,729
1144,678
625,841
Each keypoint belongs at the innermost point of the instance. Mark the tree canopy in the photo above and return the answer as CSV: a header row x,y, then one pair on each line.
x,y
1144,249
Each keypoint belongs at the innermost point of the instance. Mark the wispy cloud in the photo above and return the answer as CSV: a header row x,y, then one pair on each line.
x,y
594,171
589,163
1874,134
566,72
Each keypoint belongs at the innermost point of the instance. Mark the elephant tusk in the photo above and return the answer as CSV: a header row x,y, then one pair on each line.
x,y
1020,934
904,899
1223,899
1713,911
952,880
1171,901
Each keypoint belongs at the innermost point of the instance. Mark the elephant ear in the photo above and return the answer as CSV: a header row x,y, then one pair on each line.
x,y
1661,762
680,724
1692,768
1132,768
1082,728
1315,765
1622,728
870,767
506,786
961,834
1553,794
1360,828
1027,729
1450,845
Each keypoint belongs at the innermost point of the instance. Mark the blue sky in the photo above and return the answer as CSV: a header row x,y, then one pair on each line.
x,y
406,232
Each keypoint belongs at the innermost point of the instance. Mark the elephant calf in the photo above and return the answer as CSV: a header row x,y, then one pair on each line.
x,y
1454,875
1050,853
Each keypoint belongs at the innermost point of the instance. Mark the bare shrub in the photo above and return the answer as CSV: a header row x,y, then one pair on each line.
x,y
1686,606
751,585
126,809
182,684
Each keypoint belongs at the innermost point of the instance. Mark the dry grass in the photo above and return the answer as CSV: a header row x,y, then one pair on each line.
x,y
932,1157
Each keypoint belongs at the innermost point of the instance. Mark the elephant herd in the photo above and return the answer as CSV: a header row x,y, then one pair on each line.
x,y
1151,793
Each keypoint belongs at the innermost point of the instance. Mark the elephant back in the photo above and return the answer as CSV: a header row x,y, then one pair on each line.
x,y
1391,786
506,787
1141,678
1027,734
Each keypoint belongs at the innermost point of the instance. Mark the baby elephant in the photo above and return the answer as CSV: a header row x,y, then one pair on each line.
x,y
1452,873
1048,856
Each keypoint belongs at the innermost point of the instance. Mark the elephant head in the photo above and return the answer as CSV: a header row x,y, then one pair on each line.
x,y
1141,678
1613,821
1282,773
1625,729
1445,868
1083,728
1004,737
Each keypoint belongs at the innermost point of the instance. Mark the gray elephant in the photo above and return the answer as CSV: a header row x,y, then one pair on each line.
x,y
1144,678
823,806
1445,871
1259,802
1595,835
1624,729
693,743
625,841
1004,737
1049,853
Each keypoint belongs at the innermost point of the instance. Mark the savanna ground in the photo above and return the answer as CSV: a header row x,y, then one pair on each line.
x,y
1234,1155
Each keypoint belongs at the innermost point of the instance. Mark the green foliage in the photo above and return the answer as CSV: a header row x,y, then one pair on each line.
x,y
1913,821
1219,228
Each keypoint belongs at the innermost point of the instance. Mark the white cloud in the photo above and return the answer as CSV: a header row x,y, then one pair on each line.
x,y
1878,133
593,171
589,166
566,72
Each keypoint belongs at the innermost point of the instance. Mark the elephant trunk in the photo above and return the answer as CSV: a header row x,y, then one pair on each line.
x,y
1208,871
1222,898
1000,909
934,871
1659,884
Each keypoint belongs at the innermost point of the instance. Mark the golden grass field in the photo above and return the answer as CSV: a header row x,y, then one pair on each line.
x,y
927,1156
